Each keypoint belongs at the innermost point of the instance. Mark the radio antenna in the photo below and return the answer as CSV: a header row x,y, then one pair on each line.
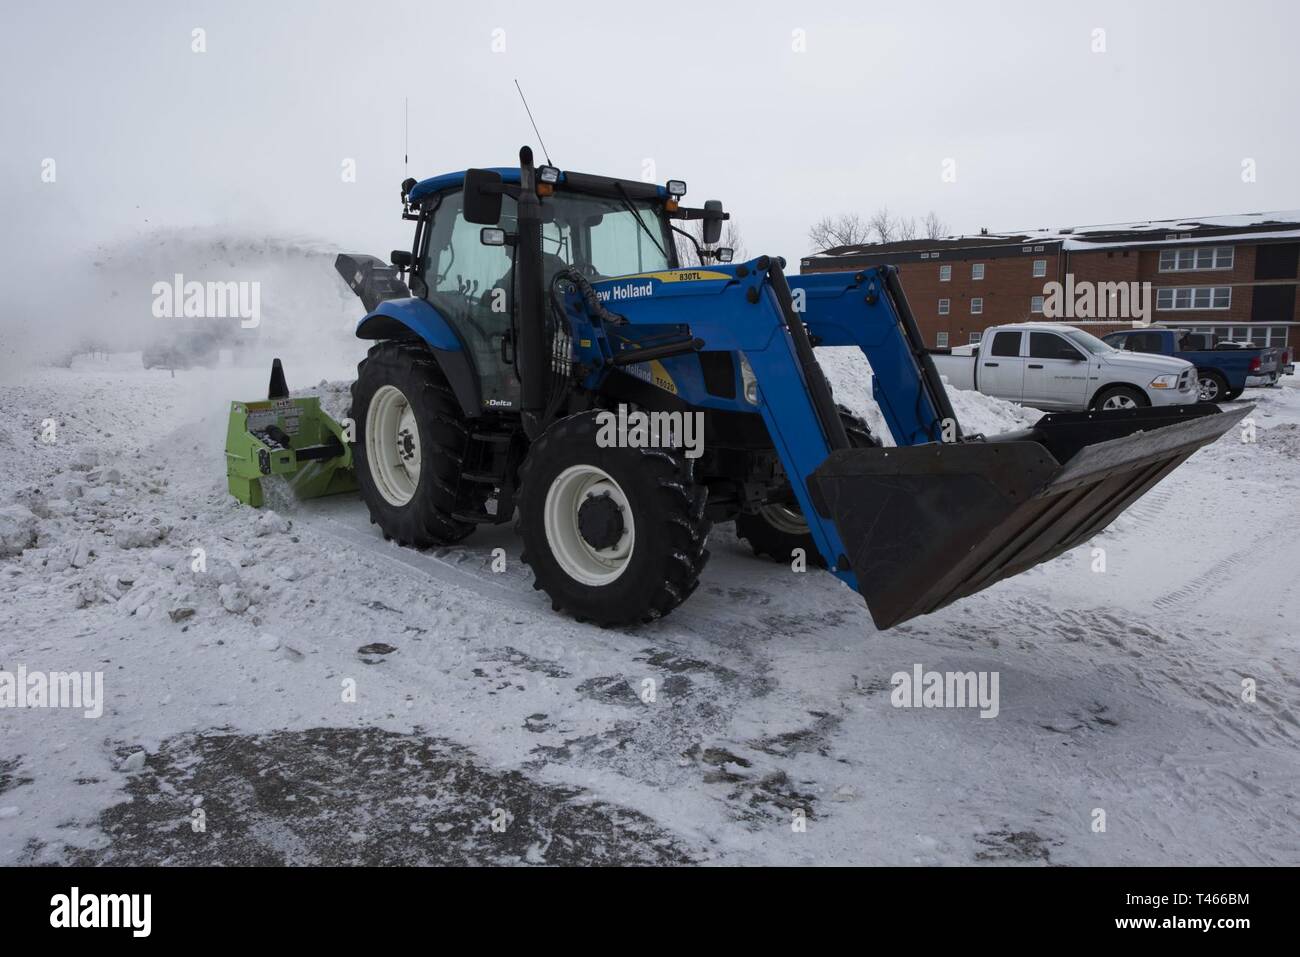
x,y
534,122
406,158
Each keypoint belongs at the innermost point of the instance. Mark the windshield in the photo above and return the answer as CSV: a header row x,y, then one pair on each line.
x,y
1088,342
602,237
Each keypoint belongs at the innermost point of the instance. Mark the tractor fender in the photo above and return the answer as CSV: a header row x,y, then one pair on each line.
x,y
416,319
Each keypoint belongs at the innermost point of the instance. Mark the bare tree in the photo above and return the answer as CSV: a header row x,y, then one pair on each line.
x,y
731,238
850,229
883,225
846,229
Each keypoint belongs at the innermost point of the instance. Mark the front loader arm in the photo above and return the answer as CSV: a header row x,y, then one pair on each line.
x,y
868,310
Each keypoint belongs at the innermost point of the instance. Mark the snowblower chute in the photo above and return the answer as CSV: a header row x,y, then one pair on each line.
x,y
928,524
292,438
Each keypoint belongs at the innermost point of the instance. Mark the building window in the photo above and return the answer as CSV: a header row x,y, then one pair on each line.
x,y
976,306
941,340
1271,336
975,338
977,270
1036,304
1203,257
944,306
1178,298
945,273
1040,268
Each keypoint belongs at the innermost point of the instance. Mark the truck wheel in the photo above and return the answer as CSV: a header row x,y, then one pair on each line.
x,y
1120,397
410,437
616,536
1211,386
776,530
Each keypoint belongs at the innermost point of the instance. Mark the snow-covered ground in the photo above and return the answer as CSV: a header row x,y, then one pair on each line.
x,y
1119,691
313,694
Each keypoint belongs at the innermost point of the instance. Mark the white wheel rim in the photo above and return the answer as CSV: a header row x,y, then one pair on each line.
x,y
784,519
573,553
1209,389
392,445
1119,402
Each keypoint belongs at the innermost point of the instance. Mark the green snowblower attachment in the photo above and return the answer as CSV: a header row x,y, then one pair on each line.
x,y
291,438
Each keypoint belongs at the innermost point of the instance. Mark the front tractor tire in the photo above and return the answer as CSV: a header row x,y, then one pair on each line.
x,y
410,441
615,536
777,529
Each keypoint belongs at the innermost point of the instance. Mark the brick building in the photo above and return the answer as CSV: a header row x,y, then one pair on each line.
x,y
1233,275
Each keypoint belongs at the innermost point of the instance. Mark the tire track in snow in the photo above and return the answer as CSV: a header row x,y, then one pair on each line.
x,y
1208,582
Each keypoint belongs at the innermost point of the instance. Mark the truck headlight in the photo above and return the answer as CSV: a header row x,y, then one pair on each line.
x,y
1169,381
748,380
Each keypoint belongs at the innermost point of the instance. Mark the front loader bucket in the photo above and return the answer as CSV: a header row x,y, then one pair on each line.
x,y
928,524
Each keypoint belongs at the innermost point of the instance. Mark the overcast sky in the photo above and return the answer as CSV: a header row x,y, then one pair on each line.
x,y
785,111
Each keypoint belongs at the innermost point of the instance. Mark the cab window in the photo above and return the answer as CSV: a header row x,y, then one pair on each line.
x,y
619,246
1006,344
1048,345
460,271
1143,342
471,285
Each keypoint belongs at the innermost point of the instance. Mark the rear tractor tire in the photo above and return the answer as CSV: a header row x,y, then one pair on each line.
x,y
776,530
410,441
615,536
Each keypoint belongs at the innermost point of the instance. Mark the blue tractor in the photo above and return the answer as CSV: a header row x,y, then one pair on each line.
x,y
540,351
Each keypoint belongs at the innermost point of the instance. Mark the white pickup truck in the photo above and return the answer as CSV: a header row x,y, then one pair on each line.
x,y
1058,367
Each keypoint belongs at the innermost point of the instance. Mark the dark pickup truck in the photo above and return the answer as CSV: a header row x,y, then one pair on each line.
x,y
1222,369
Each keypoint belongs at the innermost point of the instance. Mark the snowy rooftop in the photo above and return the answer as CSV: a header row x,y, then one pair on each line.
x,y
1284,224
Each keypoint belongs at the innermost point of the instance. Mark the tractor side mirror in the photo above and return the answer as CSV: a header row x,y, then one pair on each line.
x,y
724,254
401,258
482,197
712,223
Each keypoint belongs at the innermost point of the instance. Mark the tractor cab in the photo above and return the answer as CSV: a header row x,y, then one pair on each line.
x,y
463,260
600,226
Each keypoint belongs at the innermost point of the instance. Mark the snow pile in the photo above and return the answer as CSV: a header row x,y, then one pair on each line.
x,y
17,529
849,374
335,397
1284,439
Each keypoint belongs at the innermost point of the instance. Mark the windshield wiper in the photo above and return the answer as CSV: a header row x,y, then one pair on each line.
x,y
627,204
